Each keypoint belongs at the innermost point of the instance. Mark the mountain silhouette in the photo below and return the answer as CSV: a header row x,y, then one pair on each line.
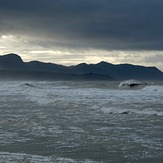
x,y
121,71
12,66
12,62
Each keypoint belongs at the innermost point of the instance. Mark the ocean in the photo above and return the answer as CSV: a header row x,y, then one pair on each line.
x,y
80,122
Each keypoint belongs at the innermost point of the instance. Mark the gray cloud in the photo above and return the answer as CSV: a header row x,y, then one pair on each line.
x,y
103,24
157,58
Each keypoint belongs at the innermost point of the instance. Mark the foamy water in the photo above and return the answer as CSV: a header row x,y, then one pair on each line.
x,y
80,122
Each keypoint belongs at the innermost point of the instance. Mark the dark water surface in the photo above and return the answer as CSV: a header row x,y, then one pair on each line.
x,y
80,122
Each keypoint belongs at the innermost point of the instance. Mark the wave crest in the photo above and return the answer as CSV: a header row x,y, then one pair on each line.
x,y
133,83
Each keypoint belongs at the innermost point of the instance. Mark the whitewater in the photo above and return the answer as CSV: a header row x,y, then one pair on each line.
x,y
80,121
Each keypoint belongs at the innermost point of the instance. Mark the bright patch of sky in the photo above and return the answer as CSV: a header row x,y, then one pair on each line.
x,y
71,32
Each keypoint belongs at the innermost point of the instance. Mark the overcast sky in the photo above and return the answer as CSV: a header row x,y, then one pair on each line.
x,y
73,31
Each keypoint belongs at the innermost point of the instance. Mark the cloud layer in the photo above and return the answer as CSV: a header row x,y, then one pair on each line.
x,y
107,25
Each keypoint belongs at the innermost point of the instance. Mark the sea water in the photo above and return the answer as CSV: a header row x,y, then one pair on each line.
x,y
80,121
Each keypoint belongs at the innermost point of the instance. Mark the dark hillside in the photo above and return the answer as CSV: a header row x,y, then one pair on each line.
x,y
83,71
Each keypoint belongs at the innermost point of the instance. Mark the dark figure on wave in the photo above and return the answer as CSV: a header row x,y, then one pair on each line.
x,y
132,83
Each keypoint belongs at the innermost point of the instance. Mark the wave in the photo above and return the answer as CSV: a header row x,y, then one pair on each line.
x,y
28,85
133,83
154,88
20,157
114,110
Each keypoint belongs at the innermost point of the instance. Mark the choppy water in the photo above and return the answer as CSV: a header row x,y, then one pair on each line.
x,y
80,122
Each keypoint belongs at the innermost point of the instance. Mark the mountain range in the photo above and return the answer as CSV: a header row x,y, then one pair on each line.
x,y
13,67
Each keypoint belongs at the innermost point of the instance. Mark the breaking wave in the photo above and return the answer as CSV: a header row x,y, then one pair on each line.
x,y
28,85
19,157
133,84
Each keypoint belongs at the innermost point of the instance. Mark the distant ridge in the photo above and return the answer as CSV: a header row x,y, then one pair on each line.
x,y
11,65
